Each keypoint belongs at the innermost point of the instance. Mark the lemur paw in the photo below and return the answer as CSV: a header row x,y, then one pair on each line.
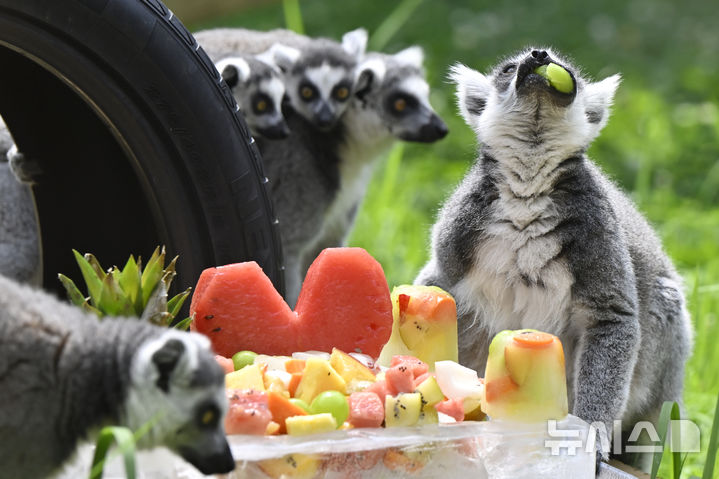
x,y
25,169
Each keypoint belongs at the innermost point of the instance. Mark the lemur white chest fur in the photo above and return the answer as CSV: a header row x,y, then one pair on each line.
x,y
517,278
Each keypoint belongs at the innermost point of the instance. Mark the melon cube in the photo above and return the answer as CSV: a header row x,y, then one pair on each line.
x,y
310,424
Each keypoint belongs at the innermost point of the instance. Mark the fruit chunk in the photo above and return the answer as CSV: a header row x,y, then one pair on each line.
x,y
296,466
248,412
225,363
430,391
238,308
366,409
351,370
310,424
557,76
424,325
402,410
318,376
525,377
282,408
333,402
243,358
457,381
399,380
345,303
249,377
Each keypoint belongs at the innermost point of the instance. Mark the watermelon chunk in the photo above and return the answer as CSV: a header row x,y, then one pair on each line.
x,y
238,308
366,409
345,303
248,412
399,379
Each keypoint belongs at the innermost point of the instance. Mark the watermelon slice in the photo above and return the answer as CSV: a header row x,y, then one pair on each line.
x,y
344,303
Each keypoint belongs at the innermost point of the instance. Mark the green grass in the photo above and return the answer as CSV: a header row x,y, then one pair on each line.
x,y
660,145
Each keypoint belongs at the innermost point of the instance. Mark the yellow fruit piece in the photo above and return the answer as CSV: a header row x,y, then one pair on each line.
x,y
349,368
430,391
428,415
296,466
402,410
310,424
318,376
249,377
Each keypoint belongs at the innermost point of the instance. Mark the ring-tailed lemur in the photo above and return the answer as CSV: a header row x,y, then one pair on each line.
x,y
536,236
64,374
20,250
318,72
259,90
391,102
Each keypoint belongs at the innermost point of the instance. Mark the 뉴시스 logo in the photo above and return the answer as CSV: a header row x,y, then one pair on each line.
x,y
683,436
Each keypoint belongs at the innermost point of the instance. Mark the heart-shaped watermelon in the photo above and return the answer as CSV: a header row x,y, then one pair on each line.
x,y
344,303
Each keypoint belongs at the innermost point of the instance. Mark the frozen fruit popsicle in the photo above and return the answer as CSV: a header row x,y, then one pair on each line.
x,y
525,377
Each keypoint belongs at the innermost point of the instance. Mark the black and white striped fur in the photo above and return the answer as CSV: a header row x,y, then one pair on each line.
x,y
64,374
536,236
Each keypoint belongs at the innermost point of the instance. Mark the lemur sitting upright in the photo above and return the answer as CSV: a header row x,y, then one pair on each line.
x,y
536,236
259,90
64,374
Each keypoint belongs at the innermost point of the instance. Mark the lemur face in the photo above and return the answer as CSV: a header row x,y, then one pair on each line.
x,y
179,389
513,106
259,90
394,88
320,87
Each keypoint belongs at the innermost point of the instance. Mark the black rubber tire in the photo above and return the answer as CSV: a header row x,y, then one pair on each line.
x,y
140,141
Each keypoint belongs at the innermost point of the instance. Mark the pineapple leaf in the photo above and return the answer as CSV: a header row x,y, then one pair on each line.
x,y
95,265
184,324
170,273
74,294
110,299
156,305
174,305
129,279
94,283
152,275
90,308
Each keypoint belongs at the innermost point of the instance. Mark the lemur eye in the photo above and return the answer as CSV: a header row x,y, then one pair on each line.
x,y
341,93
400,104
208,416
511,68
307,92
261,105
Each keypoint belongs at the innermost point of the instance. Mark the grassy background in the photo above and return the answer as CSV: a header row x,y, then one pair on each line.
x,y
660,144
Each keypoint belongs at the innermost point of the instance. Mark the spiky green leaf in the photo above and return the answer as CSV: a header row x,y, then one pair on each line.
x,y
93,282
73,293
129,279
96,266
91,309
152,274
184,324
174,305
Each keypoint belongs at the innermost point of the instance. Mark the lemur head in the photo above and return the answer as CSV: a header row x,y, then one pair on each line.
x,y
258,88
319,78
393,88
178,388
518,107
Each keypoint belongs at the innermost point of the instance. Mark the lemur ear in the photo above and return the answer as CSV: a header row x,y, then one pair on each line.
x,y
355,42
473,90
370,74
234,70
413,56
598,98
165,359
281,56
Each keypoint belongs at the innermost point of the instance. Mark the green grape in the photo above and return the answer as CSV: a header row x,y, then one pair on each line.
x,y
300,403
333,402
242,359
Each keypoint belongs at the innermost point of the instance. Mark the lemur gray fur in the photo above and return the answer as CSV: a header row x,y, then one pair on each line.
x,y
20,250
318,72
64,374
259,90
536,236
391,102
